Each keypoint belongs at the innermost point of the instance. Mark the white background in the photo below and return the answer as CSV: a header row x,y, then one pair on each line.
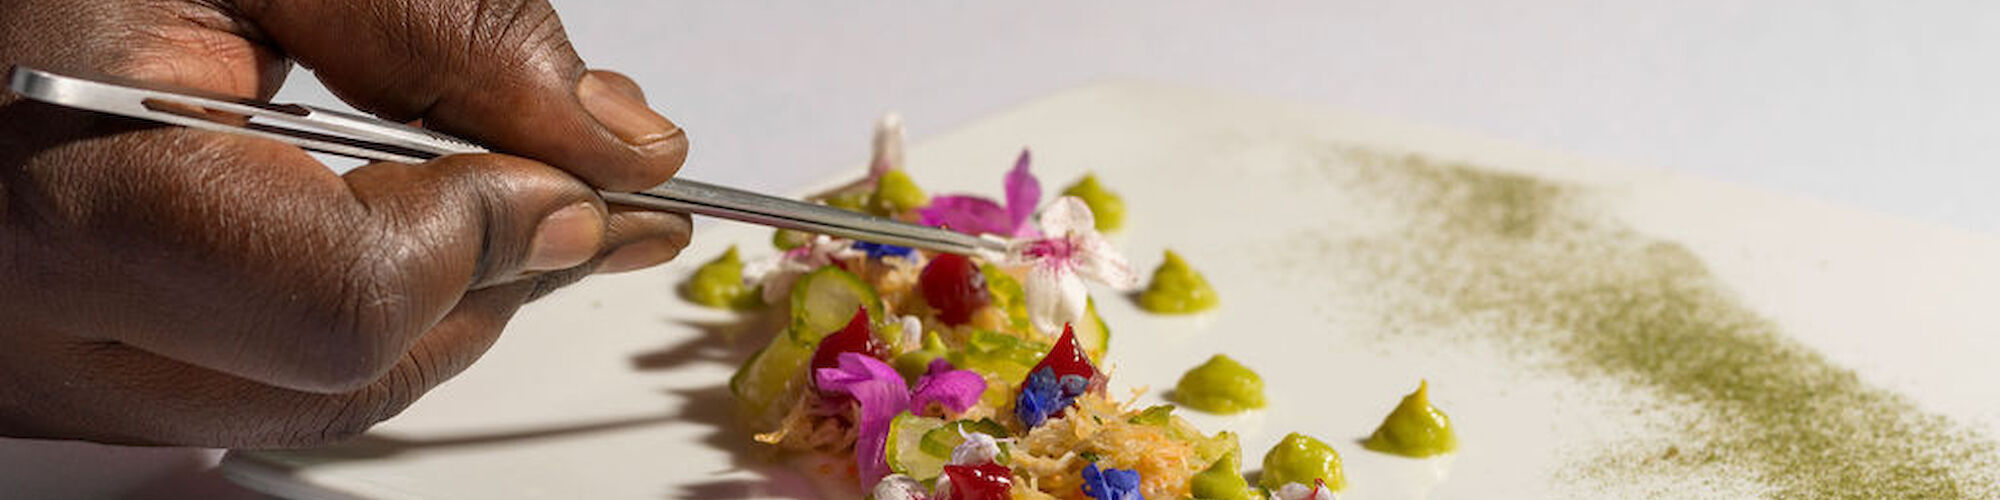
x,y
1888,107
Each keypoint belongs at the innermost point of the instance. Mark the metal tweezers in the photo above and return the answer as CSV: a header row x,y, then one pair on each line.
x,y
369,138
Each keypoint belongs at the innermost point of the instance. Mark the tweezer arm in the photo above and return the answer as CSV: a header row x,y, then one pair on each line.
x,y
368,138
681,195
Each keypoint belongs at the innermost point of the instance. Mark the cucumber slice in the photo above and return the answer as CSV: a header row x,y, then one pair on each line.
x,y
824,300
942,440
1003,359
1092,334
904,450
1007,295
767,382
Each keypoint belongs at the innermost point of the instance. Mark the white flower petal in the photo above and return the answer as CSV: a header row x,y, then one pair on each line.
x,y
888,144
1297,491
1067,215
913,333
1100,262
978,448
1056,297
899,487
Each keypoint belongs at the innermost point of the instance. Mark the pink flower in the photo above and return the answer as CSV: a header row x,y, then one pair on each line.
x,y
882,394
1058,263
980,215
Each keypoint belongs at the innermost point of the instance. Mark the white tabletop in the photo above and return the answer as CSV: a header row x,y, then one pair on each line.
x,y
1887,107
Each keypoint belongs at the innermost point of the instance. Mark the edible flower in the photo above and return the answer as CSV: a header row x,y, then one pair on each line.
x,y
910,333
1296,491
1045,394
977,448
900,487
887,155
777,274
882,394
1111,484
888,150
1071,251
954,389
880,250
978,215
1055,381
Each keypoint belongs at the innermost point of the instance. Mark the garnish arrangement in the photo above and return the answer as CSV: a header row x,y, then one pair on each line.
x,y
945,376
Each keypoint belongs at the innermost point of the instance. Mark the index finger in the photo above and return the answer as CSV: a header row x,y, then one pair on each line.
x,y
501,73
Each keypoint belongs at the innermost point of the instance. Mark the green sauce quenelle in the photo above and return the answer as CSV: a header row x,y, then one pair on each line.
x,y
1177,289
1414,428
896,193
1106,205
719,284
1221,386
1301,459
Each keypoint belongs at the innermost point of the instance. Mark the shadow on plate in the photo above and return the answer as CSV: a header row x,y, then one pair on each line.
x,y
379,445
725,342
715,408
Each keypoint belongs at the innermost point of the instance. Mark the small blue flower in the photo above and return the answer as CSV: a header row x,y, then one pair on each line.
x,y
1043,394
880,250
1111,484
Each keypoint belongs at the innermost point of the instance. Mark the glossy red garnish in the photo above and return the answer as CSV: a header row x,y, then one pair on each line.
x,y
855,337
980,482
954,286
1067,358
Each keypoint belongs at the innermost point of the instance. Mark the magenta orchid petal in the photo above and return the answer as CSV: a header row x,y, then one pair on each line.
x,y
881,394
967,214
957,390
1023,192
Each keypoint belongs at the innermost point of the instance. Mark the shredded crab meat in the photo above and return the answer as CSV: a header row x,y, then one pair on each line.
x,y
1098,426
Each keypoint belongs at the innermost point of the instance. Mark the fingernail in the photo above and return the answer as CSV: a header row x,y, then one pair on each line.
x,y
566,238
621,113
638,256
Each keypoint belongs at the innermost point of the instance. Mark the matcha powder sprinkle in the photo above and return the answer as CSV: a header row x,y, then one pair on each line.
x,y
1573,291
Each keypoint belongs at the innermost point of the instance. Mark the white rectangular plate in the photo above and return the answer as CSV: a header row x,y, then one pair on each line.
x,y
1354,257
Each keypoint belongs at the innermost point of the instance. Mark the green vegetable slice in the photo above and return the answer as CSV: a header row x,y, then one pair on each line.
x,y
1003,359
942,440
904,450
770,379
1007,295
1092,334
825,299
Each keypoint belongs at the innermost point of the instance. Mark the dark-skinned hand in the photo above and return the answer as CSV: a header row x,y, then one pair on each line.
x,y
167,286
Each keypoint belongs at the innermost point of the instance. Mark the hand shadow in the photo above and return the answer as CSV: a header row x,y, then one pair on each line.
x,y
715,408
725,342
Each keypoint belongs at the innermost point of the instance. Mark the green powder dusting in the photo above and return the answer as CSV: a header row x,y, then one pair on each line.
x,y
1547,279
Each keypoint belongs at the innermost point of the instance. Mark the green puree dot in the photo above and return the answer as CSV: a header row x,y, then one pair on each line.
x,y
1107,206
1220,385
896,193
1414,428
1301,459
1177,289
719,284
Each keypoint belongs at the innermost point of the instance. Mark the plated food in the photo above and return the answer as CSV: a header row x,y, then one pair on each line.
x,y
934,375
